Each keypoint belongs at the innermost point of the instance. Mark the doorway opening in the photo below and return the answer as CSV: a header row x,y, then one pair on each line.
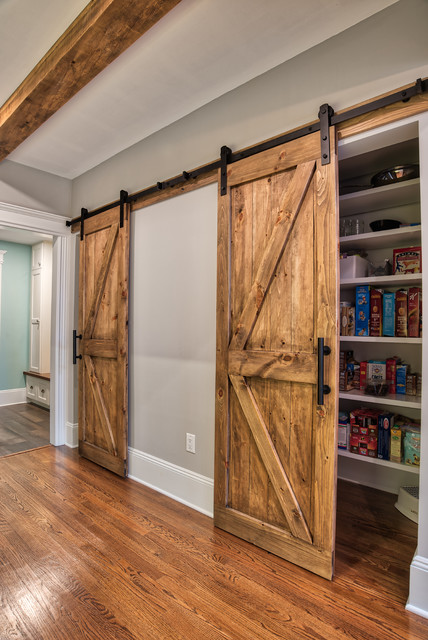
x,y
25,335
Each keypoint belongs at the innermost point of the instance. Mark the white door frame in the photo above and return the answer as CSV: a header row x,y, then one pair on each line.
x,y
62,386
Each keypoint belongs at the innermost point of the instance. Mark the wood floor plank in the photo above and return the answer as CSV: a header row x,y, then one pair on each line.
x,y
23,427
87,554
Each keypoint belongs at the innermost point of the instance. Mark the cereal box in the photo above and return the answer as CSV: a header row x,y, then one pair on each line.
x,y
388,313
362,310
376,370
401,378
376,312
401,313
413,311
385,421
391,374
396,451
407,260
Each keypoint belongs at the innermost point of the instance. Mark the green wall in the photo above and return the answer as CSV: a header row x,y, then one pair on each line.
x,y
15,315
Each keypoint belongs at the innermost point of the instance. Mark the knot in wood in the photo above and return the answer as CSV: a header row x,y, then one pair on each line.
x,y
220,393
259,296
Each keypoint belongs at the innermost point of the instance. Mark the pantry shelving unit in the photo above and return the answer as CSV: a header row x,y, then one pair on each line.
x,y
358,161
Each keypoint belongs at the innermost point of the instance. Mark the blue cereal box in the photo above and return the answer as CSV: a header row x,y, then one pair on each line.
x,y
388,313
385,421
362,310
401,378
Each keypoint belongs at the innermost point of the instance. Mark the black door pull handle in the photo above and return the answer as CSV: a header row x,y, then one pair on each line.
x,y
75,338
323,389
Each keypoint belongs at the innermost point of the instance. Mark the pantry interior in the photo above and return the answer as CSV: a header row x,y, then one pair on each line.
x,y
360,203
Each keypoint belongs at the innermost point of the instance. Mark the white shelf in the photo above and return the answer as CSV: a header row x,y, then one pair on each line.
x,y
406,279
396,400
386,339
383,463
408,236
388,196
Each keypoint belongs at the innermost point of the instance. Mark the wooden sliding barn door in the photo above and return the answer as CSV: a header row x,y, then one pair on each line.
x,y
103,325
277,294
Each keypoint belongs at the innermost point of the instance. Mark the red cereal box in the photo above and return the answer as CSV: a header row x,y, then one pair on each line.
x,y
391,374
401,302
407,260
376,312
413,312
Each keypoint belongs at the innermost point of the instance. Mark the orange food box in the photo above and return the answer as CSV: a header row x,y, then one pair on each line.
x,y
413,312
376,312
401,301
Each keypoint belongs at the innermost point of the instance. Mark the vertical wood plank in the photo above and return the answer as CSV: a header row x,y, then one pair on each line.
x,y
222,344
325,419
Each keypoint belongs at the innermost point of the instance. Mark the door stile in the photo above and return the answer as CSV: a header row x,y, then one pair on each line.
x,y
327,306
222,344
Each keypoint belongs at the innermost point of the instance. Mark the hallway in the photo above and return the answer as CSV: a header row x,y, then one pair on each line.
x,y
23,427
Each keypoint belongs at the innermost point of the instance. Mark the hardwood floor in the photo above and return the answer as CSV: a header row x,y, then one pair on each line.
x,y
22,427
87,554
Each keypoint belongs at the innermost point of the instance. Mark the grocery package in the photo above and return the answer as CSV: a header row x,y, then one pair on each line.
x,y
407,260
412,447
362,310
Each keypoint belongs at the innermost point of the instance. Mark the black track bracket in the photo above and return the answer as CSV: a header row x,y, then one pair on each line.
x,y
83,215
122,202
325,114
225,155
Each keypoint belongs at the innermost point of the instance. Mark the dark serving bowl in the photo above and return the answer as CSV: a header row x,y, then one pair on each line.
x,y
395,174
383,225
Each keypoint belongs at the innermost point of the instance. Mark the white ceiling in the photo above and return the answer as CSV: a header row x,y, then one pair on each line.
x,y
197,52
21,236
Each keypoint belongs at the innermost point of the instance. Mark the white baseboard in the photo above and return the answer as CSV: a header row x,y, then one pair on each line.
x,y
13,396
71,434
190,488
418,594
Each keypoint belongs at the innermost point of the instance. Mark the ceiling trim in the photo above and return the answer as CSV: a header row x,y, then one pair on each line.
x,y
102,31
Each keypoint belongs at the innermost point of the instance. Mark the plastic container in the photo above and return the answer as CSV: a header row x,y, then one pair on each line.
x,y
408,502
376,387
353,267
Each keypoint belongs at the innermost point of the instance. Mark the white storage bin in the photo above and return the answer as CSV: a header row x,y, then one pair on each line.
x,y
353,267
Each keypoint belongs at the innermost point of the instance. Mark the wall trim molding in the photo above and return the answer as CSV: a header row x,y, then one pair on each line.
x,y
13,396
18,217
190,488
72,434
417,602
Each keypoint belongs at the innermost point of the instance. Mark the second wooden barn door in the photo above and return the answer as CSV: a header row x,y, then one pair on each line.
x,y
277,294
103,326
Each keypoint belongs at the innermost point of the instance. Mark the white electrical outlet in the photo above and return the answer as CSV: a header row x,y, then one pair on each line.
x,y
191,442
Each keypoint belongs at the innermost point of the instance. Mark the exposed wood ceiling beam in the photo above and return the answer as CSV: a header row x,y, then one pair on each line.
x,y
103,30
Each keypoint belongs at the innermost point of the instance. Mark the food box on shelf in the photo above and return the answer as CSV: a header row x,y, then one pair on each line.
x,y
362,310
401,304
376,312
414,312
385,422
389,313
407,260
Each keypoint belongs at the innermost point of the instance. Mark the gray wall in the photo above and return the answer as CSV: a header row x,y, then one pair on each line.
x,y
379,54
172,329
26,187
